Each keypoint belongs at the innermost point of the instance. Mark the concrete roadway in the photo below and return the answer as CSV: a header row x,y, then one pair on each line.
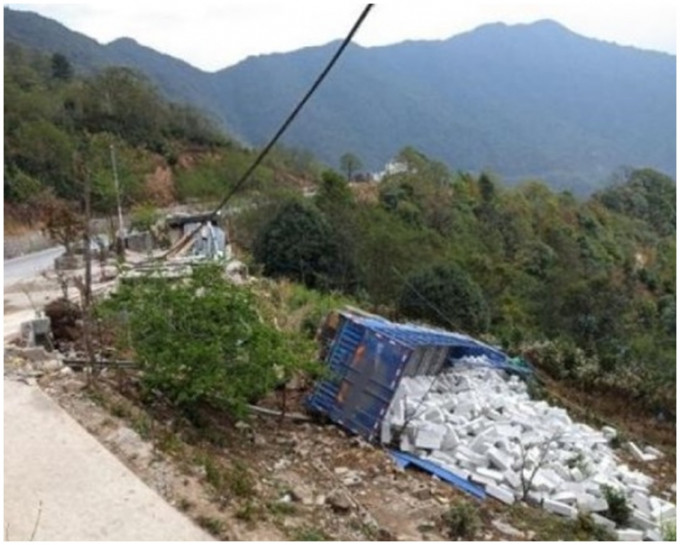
x,y
56,468
81,490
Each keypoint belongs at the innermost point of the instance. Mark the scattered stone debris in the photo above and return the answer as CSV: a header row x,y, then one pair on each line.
x,y
339,501
507,529
480,424
31,362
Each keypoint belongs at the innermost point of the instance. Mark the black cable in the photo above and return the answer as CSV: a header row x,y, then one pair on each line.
x,y
425,299
288,120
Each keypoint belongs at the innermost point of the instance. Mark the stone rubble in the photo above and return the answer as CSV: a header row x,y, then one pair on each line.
x,y
480,424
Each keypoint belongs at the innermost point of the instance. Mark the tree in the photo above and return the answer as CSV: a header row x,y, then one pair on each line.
x,y
61,67
62,223
333,192
445,295
298,243
350,164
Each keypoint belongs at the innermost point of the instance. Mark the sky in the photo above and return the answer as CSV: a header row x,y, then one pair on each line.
x,y
212,35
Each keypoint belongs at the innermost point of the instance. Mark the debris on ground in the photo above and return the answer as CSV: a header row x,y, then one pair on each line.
x,y
480,424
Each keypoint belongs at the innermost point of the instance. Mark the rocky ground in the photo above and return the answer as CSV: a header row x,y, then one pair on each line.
x,y
270,479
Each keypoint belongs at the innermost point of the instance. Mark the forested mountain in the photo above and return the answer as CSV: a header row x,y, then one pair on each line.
x,y
524,101
586,287
61,128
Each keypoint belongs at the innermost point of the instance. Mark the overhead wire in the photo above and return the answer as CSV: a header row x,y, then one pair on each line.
x,y
272,142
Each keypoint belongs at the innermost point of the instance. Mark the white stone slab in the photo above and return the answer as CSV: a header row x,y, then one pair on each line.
x,y
603,521
629,535
559,508
501,493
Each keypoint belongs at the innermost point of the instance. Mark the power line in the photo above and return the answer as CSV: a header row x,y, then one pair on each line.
x,y
288,120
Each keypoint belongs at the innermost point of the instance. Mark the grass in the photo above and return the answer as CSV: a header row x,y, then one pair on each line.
x,y
282,508
549,527
143,425
185,505
211,524
239,481
461,520
307,533
248,511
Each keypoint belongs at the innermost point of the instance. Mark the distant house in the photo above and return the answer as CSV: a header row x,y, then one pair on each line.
x,y
210,240
393,167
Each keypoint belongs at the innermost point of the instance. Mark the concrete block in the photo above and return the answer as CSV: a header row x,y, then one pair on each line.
x,y
603,521
450,440
641,502
397,414
636,452
475,477
513,479
429,438
536,498
653,535
36,332
591,504
559,508
629,535
434,415
667,511
497,476
499,459
609,432
385,432
471,455
576,488
576,474
508,430
654,451
639,520
565,496
501,493
405,443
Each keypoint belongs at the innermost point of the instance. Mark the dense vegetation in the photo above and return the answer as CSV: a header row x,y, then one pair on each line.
x,y
585,288
60,129
204,342
524,101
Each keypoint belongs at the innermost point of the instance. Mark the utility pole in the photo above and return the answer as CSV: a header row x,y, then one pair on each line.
x,y
120,247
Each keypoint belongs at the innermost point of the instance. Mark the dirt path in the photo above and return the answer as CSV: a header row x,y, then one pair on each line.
x,y
62,485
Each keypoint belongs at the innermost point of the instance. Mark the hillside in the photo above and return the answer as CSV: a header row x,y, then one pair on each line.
x,y
524,101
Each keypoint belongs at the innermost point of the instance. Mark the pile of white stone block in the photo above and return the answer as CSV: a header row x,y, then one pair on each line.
x,y
480,424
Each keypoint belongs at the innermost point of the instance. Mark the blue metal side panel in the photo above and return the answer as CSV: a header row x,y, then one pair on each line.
x,y
403,459
365,369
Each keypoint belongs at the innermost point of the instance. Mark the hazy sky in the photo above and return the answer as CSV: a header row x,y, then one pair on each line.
x,y
212,35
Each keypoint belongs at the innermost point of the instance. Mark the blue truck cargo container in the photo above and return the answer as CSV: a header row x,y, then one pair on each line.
x,y
367,356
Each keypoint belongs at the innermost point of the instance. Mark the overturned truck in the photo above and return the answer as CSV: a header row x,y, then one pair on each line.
x,y
460,409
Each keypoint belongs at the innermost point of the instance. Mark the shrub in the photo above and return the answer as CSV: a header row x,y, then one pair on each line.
x,y
202,340
447,296
142,217
299,243
461,521
618,509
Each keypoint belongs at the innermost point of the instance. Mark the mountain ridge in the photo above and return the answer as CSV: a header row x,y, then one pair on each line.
x,y
533,100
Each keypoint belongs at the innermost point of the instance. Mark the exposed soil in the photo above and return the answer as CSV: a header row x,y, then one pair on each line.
x,y
265,479
273,479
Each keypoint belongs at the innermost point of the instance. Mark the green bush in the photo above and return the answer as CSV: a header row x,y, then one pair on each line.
x,y
202,340
447,296
618,509
143,216
461,521
299,243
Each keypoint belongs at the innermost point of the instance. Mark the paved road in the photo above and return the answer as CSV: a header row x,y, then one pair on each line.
x,y
83,492
30,265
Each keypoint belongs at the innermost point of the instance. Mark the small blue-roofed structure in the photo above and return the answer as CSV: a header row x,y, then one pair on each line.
x,y
367,356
